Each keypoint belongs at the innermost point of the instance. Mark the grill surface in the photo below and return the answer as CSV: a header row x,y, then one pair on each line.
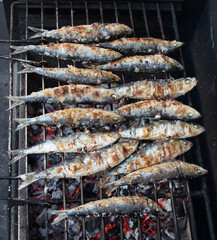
x,y
149,18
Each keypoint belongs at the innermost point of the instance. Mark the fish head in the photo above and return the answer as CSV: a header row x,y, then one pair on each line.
x,y
193,129
191,113
127,30
184,145
192,170
114,78
116,118
116,96
188,83
174,45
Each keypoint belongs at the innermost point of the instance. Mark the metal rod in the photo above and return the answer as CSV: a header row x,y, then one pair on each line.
x,y
131,18
158,220
160,20
21,60
145,18
177,236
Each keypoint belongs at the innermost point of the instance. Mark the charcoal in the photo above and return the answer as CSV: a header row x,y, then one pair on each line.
x,y
132,222
73,226
57,194
71,188
93,226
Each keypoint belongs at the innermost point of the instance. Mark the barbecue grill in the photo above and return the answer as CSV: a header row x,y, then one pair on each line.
x,y
160,19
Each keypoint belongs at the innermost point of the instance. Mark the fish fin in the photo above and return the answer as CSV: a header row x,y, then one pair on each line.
x,y
19,49
27,68
27,178
23,122
20,154
18,101
39,32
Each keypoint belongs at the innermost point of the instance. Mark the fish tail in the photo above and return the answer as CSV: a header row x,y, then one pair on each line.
x,y
27,178
23,122
39,32
18,101
19,49
27,68
20,154
60,217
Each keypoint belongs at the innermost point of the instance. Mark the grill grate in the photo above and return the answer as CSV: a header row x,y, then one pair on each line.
x,y
121,11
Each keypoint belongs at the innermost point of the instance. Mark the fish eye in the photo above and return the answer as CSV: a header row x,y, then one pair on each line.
x,y
114,96
190,114
187,80
199,171
184,142
195,126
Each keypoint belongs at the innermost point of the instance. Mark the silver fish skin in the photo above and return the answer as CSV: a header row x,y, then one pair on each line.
x,y
151,154
84,165
71,51
78,142
156,173
73,117
114,205
142,45
72,74
170,109
157,89
148,63
96,32
69,94
163,130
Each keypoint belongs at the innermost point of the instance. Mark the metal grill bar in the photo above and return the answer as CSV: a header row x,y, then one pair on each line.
x,y
44,128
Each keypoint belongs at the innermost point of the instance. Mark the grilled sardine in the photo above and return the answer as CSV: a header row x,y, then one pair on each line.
x,y
73,75
96,32
163,130
148,63
156,173
71,51
79,142
151,154
114,205
170,109
73,117
69,94
157,89
142,45
84,165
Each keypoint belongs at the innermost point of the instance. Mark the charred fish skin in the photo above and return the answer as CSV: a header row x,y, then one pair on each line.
x,y
148,63
157,89
159,172
73,117
142,45
170,109
69,94
96,32
84,165
79,142
72,74
71,51
151,154
163,130
114,205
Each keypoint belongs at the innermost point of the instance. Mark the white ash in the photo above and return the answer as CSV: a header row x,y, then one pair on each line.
x,y
74,226
57,194
167,203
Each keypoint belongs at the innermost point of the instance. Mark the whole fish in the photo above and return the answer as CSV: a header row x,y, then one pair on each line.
x,y
163,130
69,94
156,173
79,142
73,117
71,51
73,75
170,109
157,89
151,154
84,165
114,205
142,45
148,63
96,32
